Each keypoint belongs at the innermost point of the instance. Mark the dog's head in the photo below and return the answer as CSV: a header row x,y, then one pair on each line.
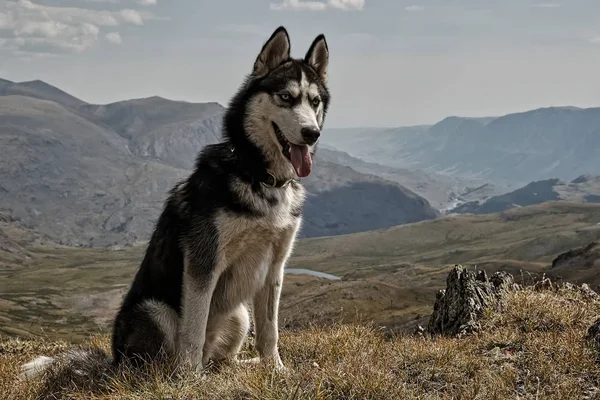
x,y
288,102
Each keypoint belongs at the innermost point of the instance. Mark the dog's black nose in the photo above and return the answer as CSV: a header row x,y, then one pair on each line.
x,y
310,135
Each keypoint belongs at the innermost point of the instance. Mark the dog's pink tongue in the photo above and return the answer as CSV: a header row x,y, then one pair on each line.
x,y
301,160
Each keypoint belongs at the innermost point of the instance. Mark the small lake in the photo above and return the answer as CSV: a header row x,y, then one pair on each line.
x,y
302,271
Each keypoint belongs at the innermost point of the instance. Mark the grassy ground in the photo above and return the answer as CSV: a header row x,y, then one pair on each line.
x,y
38,296
529,236
534,348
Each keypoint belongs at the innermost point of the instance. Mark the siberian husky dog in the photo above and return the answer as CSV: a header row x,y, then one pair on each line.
x,y
220,246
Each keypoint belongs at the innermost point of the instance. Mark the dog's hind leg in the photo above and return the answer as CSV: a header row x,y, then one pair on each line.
x,y
225,334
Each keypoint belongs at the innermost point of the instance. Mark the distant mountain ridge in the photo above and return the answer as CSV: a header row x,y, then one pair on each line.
x,y
39,90
554,142
585,189
98,175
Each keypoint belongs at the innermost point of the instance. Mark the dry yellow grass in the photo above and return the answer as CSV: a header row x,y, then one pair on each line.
x,y
534,348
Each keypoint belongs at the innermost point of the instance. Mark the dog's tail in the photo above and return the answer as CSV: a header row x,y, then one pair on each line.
x,y
84,364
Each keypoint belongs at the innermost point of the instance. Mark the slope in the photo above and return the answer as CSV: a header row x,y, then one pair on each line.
x,y
74,180
172,131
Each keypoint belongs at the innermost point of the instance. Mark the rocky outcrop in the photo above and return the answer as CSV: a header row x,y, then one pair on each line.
x,y
467,295
581,257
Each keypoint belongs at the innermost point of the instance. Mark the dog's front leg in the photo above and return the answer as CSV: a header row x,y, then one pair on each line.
x,y
198,290
266,307
266,304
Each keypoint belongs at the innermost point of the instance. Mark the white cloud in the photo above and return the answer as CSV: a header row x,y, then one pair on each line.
x,y
140,2
114,37
414,8
346,4
30,27
594,40
103,1
546,5
299,5
132,17
318,5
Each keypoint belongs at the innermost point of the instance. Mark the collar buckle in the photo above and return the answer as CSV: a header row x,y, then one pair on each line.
x,y
272,182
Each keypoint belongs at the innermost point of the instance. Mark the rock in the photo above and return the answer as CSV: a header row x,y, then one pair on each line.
x,y
593,335
467,295
588,292
584,289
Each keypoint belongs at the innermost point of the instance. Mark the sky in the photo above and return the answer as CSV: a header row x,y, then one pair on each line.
x,y
392,62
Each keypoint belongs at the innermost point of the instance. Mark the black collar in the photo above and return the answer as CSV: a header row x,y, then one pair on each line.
x,y
269,180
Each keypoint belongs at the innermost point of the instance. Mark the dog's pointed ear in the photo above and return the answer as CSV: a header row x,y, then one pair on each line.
x,y
273,53
318,56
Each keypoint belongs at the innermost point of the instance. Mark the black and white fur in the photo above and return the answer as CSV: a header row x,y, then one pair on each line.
x,y
226,232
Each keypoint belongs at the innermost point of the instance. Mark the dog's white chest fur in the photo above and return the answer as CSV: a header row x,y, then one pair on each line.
x,y
248,246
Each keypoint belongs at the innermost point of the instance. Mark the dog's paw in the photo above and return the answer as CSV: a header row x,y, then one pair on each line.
x,y
280,368
275,362
193,365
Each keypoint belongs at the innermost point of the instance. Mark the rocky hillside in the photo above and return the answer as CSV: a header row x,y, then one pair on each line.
x,y
579,265
557,142
171,131
585,188
97,175
342,201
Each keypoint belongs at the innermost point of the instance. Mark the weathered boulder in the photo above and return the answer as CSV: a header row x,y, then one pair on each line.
x,y
467,295
584,289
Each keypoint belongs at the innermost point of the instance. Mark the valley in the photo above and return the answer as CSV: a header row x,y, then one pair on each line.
x,y
388,276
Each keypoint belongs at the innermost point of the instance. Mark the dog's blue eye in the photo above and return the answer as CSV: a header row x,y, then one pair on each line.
x,y
284,96
316,101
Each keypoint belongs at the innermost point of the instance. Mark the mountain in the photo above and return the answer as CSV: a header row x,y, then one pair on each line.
x,y
585,188
39,90
342,201
556,142
442,191
172,131
98,175
74,180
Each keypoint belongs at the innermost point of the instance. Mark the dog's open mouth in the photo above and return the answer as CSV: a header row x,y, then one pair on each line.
x,y
299,155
